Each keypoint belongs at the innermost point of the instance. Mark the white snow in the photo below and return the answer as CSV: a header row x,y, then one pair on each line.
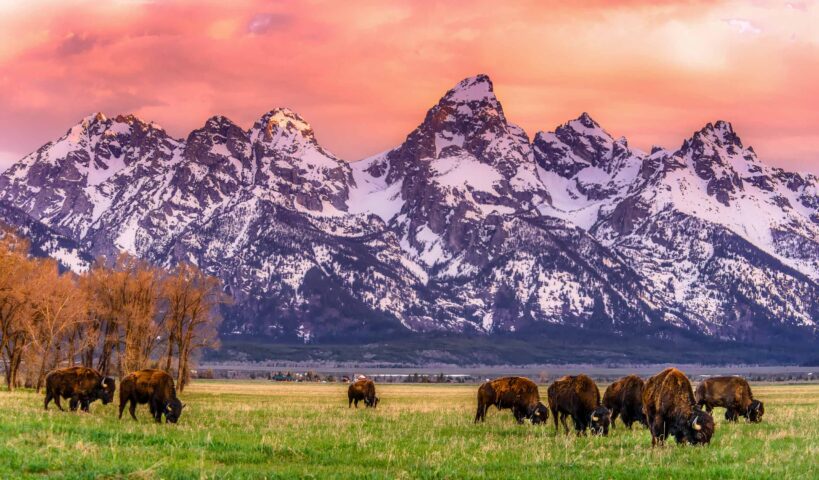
x,y
465,171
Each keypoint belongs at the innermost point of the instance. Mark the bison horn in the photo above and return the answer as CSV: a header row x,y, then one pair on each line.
x,y
595,418
696,425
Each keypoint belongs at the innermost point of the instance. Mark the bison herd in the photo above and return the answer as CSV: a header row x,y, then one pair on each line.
x,y
82,386
665,403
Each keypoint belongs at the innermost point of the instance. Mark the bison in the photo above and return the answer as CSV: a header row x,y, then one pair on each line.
x,y
733,394
516,393
670,409
578,397
81,385
363,389
154,387
625,398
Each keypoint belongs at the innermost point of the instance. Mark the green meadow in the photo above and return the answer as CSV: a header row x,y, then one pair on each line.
x,y
234,429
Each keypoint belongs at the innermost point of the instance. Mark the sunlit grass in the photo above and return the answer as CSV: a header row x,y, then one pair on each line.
x,y
259,429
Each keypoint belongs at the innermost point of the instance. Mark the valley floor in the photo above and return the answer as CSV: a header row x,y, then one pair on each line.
x,y
262,430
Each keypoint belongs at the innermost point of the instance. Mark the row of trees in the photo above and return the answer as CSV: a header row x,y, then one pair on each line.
x,y
118,317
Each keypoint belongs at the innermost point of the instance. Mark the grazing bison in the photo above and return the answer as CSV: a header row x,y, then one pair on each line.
x,y
363,389
578,397
669,407
625,398
154,387
516,393
81,385
733,394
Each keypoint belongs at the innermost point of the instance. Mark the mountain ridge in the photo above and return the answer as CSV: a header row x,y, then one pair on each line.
x,y
466,226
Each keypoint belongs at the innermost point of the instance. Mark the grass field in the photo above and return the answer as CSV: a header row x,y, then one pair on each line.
x,y
264,430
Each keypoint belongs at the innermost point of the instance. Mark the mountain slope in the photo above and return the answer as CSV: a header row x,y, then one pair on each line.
x,y
465,227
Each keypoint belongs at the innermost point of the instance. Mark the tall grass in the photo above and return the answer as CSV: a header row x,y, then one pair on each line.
x,y
263,430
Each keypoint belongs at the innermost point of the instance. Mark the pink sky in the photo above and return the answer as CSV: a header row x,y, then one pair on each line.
x,y
364,73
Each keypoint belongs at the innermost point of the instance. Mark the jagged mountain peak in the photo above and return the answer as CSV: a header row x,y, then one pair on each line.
x,y
217,122
720,134
477,88
586,121
585,126
281,122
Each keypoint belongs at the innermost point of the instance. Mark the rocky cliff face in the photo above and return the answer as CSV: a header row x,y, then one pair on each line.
x,y
467,226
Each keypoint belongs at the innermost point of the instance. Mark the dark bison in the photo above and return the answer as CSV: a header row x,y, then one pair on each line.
x,y
154,387
670,409
733,394
578,397
516,393
363,389
625,399
81,385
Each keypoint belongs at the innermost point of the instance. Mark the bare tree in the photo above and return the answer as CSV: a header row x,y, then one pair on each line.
x,y
15,275
57,304
114,317
193,317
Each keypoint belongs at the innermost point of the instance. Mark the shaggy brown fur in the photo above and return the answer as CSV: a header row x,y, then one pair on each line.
x,y
668,404
579,398
625,399
81,385
516,393
154,387
733,394
363,389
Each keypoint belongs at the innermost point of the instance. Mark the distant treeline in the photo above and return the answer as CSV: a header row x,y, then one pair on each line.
x,y
120,316
541,378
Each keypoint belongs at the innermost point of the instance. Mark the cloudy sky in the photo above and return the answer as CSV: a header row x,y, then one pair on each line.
x,y
364,73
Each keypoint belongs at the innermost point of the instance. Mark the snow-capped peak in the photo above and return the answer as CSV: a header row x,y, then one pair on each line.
x,y
586,126
472,89
720,133
281,122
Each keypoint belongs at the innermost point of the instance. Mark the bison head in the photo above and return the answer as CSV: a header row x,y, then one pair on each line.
x,y
371,401
173,410
755,411
600,421
538,413
700,427
105,390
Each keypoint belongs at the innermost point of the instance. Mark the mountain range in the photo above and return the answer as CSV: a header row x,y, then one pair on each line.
x,y
468,228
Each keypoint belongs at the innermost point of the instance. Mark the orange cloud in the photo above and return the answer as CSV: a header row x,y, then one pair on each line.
x,y
364,72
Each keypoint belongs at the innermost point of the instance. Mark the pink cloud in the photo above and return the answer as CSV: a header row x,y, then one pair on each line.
x,y
364,73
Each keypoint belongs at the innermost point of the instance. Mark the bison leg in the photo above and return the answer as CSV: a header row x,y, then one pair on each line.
x,y
563,421
349,405
517,414
48,398
157,411
84,404
73,403
658,431
554,417
614,412
579,425
121,407
132,409
57,401
480,415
